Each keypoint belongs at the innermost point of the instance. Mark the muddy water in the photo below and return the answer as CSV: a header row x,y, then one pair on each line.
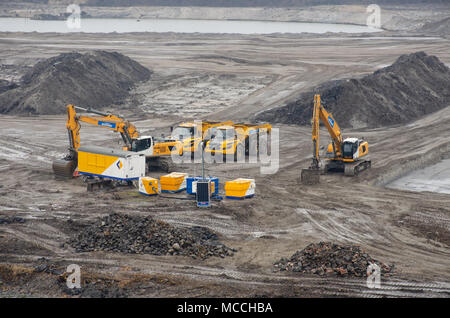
x,y
435,178
176,25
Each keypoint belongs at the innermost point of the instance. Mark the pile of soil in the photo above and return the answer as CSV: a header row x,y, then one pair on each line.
x,y
326,258
132,234
94,79
415,85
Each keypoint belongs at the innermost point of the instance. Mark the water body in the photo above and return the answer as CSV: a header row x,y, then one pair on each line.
x,y
177,25
435,178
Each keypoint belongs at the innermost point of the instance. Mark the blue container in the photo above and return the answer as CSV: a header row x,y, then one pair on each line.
x,y
191,186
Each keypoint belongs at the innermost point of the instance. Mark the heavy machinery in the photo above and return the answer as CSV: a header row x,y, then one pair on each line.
x,y
157,151
344,155
237,140
191,134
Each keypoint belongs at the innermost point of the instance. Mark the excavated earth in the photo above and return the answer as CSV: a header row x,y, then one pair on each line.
x,y
131,234
250,74
94,79
415,85
326,258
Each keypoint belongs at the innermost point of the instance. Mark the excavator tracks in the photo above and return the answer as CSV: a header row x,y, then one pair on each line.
x,y
353,169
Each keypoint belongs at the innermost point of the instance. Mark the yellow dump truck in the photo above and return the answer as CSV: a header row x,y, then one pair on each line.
x,y
192,133
239,139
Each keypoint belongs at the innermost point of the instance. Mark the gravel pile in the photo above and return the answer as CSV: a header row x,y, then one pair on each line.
x,y
326,258
145,235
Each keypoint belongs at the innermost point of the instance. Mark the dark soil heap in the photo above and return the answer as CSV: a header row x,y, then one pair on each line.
x,y
414,86
95,79
132,234
326,258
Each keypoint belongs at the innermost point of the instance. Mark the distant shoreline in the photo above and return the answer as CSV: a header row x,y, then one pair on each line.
x,y
393,18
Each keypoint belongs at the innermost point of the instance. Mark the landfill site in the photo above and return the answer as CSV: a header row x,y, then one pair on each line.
x,y
93,125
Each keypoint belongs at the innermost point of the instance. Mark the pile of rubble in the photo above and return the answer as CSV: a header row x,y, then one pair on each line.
x,y
145,235
326,258
4,219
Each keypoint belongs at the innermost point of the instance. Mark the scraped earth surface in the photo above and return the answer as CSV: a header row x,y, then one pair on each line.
x,y
393,226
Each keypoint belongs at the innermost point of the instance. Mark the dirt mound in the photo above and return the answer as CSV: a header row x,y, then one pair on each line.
x,y
131,234
95,79
326,258
415,85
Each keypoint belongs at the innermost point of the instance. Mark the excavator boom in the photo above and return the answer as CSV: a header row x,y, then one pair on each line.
x,y
115,123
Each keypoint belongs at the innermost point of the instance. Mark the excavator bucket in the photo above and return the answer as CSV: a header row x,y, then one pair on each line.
x,y
64,168
310,176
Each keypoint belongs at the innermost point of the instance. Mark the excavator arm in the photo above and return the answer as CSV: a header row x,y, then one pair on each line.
x,y
115,123
315,132
319,112
66,166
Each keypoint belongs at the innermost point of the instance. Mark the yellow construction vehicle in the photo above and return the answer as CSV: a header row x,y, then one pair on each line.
x,y
191,134
345,155
157,151
239,139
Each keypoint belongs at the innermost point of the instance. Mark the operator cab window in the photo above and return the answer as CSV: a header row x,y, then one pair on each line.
x,y
139,145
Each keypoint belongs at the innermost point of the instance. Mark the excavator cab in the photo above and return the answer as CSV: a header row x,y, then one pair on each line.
x,y
350,148
142,144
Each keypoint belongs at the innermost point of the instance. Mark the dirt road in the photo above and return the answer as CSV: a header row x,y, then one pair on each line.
x,y
250,73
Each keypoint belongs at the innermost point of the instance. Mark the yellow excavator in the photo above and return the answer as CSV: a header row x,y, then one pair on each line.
x,y
157,151
345,155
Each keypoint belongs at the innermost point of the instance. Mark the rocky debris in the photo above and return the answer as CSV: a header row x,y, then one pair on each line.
x,y
145,235
415,85
57,17
94,290
44,265
11,219
94,79
326,258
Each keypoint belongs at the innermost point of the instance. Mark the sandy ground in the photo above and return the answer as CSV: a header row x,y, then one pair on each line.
x,y
249,74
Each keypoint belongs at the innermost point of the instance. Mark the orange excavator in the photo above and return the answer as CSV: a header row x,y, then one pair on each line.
x,y
156,150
